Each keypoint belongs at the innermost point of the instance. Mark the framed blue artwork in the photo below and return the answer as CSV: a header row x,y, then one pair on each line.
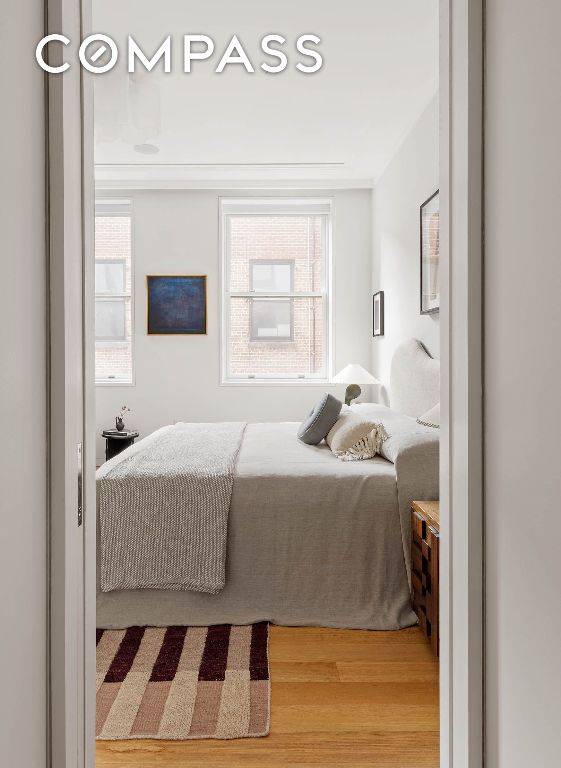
x,y
176,304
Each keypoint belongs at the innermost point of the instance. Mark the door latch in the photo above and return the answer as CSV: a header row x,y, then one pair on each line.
x,y
80,485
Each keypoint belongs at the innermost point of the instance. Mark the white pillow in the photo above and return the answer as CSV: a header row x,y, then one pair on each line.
x,y
431,418
353,438
401,429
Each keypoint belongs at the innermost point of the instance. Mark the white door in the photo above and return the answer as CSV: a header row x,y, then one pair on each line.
x,y
72,463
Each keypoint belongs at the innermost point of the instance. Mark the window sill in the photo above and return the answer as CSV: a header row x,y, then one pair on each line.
x,y
107,383
277,383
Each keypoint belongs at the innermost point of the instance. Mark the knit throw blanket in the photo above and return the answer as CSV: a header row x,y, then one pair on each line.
x,y
163,510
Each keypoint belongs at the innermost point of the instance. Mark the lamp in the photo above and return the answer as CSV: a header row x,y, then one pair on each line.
x,y
353,375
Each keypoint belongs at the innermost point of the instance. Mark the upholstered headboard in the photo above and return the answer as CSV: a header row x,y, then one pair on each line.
x,y
414,379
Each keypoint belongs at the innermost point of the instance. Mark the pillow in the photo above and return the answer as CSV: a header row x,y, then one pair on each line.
x,y
431,418
353,438
320,420
402,430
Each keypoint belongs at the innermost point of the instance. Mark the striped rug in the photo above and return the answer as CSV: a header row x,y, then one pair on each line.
x,y
183,682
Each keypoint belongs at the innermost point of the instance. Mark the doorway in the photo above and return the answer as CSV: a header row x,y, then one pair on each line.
x,y
463,116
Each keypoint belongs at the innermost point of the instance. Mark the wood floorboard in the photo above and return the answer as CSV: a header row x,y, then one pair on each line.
x,y
343,698
387,672
347,694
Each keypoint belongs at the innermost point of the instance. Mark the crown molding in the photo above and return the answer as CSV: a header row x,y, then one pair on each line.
x,y
291,176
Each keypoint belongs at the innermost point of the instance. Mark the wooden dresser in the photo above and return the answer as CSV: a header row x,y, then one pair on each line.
x,y
425,536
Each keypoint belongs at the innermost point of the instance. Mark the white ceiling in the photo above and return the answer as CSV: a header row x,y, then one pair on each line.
x,y
344,122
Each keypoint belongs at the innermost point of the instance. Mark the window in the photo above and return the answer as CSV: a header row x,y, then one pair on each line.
x,y
113,294
275,277
272,319
110,320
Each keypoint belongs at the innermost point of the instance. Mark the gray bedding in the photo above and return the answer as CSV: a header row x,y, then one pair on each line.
x,y
312,540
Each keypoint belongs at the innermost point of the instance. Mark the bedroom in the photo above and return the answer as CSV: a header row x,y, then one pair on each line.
x,y
256,235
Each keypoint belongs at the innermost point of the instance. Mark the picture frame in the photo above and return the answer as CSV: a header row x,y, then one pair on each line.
x,y
378,314
430,255
176,305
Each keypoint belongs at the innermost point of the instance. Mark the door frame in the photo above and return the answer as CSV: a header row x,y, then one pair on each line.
x,y
71,473
461,454
72,393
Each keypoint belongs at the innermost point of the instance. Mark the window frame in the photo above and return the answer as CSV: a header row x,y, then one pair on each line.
x,y
105,207
275,206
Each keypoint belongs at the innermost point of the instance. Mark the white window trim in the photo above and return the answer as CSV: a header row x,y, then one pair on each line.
x,y
274,206
121,207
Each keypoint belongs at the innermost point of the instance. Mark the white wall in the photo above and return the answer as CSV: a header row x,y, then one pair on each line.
x,y
177,378
22,394
522,383
410,178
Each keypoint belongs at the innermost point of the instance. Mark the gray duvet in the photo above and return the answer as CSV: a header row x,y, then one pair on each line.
x,y
312,540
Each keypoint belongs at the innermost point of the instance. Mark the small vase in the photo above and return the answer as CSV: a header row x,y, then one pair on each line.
x,y
119,423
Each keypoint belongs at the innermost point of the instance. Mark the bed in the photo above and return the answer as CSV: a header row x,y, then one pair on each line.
x,y
311,540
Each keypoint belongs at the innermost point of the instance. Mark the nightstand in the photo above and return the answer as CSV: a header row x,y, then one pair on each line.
x,y
425,539
115,441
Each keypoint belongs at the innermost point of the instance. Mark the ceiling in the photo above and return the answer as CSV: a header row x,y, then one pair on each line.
x,y
344,122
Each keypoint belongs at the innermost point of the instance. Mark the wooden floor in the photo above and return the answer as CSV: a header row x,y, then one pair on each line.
x,y
339,698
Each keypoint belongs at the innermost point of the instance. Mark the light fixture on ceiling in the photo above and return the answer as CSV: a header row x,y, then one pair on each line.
x,y
146,149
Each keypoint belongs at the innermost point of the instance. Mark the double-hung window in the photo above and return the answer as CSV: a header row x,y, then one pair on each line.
x,y
275,284
113,293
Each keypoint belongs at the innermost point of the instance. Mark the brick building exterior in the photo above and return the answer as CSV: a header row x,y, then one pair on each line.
x,y
113,243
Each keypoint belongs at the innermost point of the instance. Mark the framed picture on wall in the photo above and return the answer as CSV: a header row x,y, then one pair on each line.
x,y
176,304
430,255
378,314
